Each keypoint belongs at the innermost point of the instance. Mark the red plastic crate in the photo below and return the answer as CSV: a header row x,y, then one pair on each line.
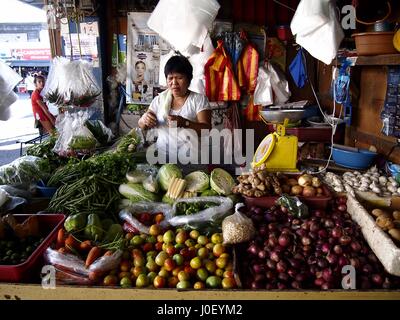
x,y
312,202
29,270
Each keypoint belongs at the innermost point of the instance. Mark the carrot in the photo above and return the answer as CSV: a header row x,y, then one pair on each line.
x,y
61,238
86,245
93,254
108,253
95,275
71,242
62,250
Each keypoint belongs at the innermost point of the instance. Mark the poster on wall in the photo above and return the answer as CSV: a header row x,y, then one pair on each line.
x,y
143,59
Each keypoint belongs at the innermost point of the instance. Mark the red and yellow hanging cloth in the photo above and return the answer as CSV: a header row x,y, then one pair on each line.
x,y
221,84
252,111
247,67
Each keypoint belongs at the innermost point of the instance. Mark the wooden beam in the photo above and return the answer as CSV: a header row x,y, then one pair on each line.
x,y
36,292
385,59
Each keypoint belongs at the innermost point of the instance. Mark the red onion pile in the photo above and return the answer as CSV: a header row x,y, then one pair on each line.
x,y
290,253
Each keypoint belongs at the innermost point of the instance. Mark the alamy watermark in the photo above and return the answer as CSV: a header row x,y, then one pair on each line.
x,y
348,17
186,146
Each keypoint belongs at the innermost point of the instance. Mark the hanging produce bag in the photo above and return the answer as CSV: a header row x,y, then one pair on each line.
x,y
221,84
247,68
75,139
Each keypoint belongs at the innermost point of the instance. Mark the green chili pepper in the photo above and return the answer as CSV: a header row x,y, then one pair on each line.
x,y
75,222
94,229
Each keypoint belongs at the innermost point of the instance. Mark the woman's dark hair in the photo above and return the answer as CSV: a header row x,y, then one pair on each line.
x,y
38,77
179,64
138,62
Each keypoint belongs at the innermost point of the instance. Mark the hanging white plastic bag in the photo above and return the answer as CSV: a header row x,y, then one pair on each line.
x,y
8,80
187,23
280,85
263,94
198,59
317,29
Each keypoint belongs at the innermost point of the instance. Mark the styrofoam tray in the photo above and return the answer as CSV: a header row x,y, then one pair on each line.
x,y
379,241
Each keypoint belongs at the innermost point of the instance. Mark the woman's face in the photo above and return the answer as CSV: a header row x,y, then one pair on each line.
x,y
140,69
39,84
178,83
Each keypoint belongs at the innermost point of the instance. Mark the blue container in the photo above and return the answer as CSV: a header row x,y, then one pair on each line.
x,y
46,192
352,159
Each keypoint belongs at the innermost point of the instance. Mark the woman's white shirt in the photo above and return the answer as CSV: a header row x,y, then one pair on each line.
x,y
194,104
167,141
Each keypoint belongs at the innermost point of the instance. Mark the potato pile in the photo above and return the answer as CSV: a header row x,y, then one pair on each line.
x,y
305,185
258,183
388,222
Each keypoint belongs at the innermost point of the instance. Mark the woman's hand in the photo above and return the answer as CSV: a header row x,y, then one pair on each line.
x,y
180,121
149,119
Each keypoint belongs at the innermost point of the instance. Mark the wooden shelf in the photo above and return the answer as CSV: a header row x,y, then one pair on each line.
x,y
28,292
380,60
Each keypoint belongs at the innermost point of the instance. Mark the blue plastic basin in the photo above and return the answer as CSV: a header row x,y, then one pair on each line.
x,y
46,192
353,160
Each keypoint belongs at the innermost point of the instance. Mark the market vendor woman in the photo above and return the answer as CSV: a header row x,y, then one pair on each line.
x,y
177,107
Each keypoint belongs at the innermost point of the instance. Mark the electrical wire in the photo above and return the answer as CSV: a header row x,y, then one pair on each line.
x,y
330,120
284,5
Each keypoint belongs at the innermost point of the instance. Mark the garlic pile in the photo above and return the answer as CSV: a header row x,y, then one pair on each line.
x,y
372,180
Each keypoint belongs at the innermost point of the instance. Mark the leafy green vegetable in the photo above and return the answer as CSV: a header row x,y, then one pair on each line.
x,y
102,134
110,165
166,173
183,208
129,142
209,193
136,192
82,143
197,181
221,181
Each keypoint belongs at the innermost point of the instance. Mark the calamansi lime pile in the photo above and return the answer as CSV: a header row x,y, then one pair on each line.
x,y
174,259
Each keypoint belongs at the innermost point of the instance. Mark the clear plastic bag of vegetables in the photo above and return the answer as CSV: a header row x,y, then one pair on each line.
x,y
71,269
102,134
212,209
132,208
64,128
82,142
237,228
21,172
294,206
71,83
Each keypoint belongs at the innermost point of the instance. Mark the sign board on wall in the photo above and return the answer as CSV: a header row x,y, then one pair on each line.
x,y
143,59
32,54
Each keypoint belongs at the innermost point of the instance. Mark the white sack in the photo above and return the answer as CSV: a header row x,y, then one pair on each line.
x,y
317,28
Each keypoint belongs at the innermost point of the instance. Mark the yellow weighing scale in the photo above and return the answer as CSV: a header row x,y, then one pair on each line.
x,y
277,151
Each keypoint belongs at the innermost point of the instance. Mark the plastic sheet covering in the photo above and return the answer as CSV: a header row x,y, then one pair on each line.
x,y
210,214
188,21
8,80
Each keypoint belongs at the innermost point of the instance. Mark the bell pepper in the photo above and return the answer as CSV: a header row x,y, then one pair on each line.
x,y
114,233
94,229
75,222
